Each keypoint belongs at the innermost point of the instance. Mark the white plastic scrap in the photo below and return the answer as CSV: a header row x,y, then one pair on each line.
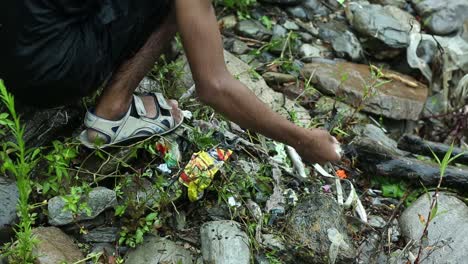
x,y
297,162
337,243
164,168
353,198
233,202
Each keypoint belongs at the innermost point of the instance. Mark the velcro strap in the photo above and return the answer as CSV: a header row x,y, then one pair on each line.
x,y
139,105
162,101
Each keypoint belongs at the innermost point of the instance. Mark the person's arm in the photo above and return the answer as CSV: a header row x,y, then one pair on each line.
x,y
216,87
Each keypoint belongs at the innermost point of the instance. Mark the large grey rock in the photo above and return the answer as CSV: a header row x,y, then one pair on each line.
x,y
308,51
309,226
343,41
442,17
397,3
389,24
156,250
98,200
351,82
224,242
102,235
9,197
55,247
253,29
447,233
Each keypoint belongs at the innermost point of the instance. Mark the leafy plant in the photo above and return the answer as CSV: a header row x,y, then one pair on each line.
x,y
73,201
18,160
58,162
132,239
240,6
434,203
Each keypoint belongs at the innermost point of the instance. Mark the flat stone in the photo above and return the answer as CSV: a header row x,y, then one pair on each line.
x,y
309,225
376,221
393,99
102,235
228,22
9,197
447,232
98,200
239,47
275,78
308,51
344,42
224,242
55,247
253,29
156,250
388,24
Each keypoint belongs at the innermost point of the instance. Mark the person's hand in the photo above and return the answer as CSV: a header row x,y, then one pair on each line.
x,y
318,146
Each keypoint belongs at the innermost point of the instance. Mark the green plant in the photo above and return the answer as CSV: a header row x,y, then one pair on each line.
x,y
18,160
434,203
144,226
58,163
240,6
74,201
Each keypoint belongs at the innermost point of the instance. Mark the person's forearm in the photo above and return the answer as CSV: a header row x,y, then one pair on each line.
x,y
235,101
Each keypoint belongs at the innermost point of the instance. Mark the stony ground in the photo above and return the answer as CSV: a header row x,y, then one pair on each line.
x,y
387,78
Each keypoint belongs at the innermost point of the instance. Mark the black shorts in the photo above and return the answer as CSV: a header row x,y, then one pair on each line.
x,y
55,51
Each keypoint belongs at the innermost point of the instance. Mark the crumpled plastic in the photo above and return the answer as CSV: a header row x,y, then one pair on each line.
x,y
337,243
352,199
201,169
454,66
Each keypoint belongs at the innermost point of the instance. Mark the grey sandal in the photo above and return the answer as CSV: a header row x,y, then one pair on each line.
x,y
133,125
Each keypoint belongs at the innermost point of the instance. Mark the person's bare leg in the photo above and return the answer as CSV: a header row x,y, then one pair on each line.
x,y
117,95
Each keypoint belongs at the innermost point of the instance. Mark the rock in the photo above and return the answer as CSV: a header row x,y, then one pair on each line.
x,y
447,232
279,32
343,41
9,197
307,52
239,47
253,29
376,221
290,25
102,235
272,242
283,2
325,105
276,78
442,17
378,137
388,24
350,81
369,250
228,22
98,200
316,7
224,242
309,225
306,37
156,250
299,12
397,3
104,248
55,247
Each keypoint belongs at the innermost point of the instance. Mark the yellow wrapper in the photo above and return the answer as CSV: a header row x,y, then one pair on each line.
x,y
201,169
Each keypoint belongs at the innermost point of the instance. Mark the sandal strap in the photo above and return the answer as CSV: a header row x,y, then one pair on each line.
x,y
108,128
